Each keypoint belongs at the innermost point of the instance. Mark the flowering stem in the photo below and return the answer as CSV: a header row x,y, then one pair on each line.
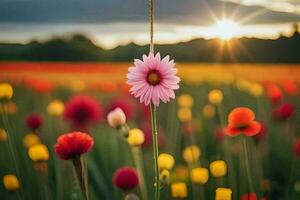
x,y
155,149
246,159
80,168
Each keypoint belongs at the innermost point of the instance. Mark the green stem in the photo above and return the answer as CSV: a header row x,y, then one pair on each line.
x,y
246,159
136,153
80,167
155,149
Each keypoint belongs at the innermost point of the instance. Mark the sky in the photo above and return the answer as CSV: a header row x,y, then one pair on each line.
x,y
117,22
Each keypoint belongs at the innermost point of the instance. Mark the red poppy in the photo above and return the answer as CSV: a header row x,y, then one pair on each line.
x,y
126,178
125,104
82,110
274,92
283,111
297,147
34,121
249,196
39,85
290,87
71,145
241,120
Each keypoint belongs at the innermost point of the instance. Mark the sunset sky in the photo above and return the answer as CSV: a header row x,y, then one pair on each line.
x,y
115,22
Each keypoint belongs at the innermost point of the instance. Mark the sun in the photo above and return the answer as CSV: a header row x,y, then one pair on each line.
x,y
225,29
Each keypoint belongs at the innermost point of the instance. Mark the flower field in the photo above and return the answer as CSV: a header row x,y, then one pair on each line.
x,y
74,131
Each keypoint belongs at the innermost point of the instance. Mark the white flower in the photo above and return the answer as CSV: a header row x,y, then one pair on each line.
x,y
116,118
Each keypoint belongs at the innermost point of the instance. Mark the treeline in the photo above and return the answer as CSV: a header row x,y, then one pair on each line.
x,y
81,48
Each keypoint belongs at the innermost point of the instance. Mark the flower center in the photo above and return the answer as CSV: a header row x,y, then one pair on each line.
x,y
242,126
153,77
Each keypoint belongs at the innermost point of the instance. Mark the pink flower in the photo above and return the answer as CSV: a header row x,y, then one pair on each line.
x,y
283,111
82,110
153,79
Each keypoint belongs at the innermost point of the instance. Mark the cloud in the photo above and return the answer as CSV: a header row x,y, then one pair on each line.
x,y
191,12
289,6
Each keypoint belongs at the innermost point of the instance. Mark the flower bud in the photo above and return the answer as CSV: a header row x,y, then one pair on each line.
x,y
165,161
184,114
30,140
191,154
136,137
55,108
6,91
199,175
185,100
179,190
215,97
11,182
223,194
38,152
116,118
218,168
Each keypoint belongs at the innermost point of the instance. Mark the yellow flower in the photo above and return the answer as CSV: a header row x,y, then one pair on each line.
x,y
191,154
165,161
136,137
185,100
199,175
256,90
55,108
38,152
179,190
6,91
218,168
208,111
243,85
30,140
223,194
3,135
11,182
215,97
165,176
184,114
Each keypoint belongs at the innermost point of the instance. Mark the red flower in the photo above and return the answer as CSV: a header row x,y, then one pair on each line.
x,y
82,110
283,112
39,85
290,87
73,144
125,104
241,120
274,92
250,196
126,178
34,121
297,147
